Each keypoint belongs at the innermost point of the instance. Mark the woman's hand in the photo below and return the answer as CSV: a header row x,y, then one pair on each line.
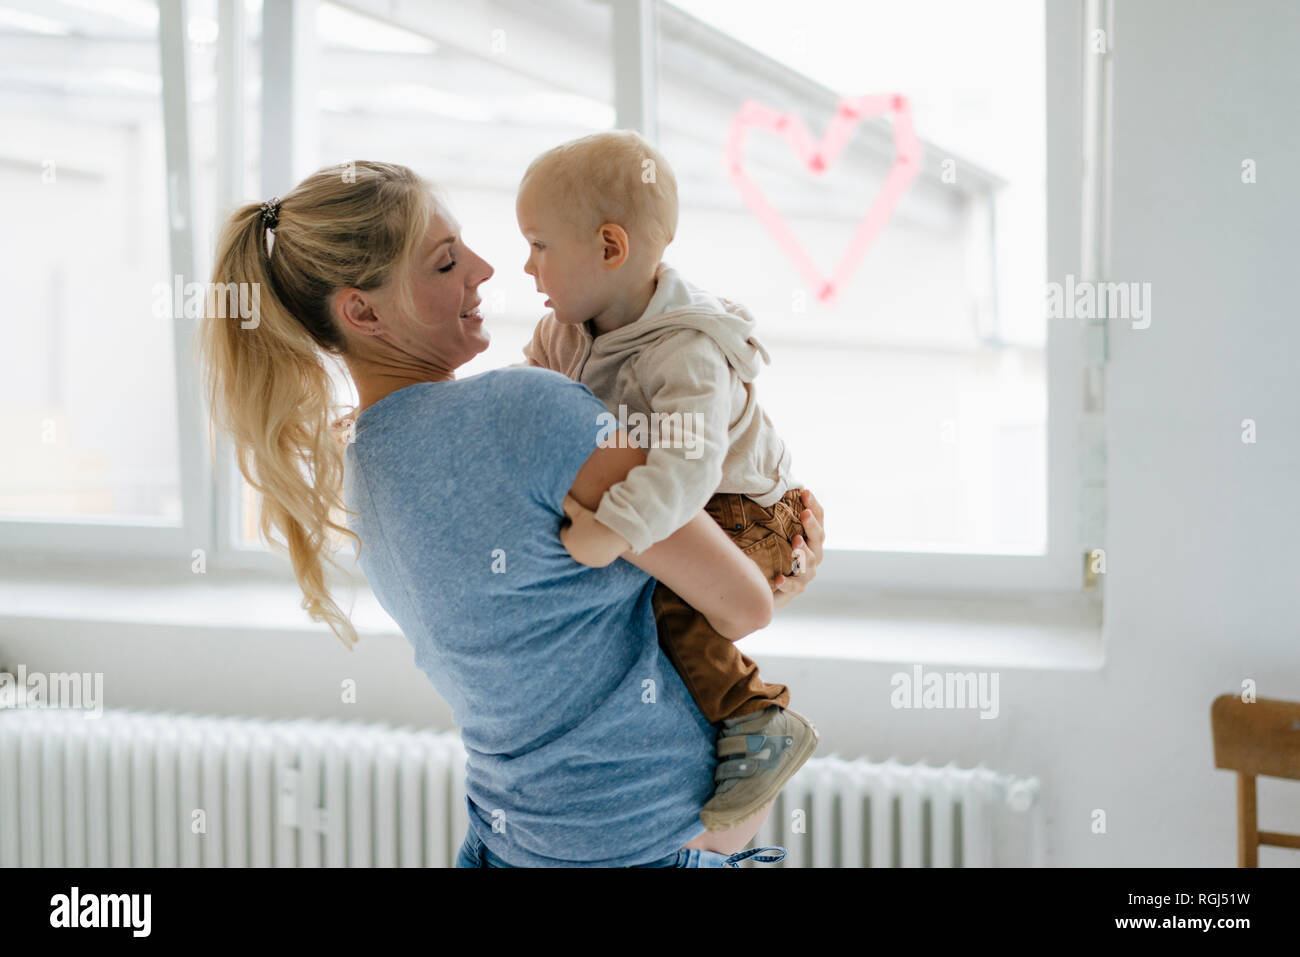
x,y
807,554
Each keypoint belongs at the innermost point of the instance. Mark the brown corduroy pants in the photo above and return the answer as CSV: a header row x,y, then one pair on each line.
x,y
723,681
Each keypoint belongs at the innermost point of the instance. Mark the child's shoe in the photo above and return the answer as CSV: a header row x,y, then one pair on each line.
x,y
757,754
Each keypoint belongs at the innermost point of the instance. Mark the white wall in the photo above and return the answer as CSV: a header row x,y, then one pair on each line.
x,y
1202,588
1202,585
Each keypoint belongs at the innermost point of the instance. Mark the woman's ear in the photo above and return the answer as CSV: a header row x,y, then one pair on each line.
x,y
352,309
615,246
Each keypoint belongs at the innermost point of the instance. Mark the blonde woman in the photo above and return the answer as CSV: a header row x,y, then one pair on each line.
x,y
584,747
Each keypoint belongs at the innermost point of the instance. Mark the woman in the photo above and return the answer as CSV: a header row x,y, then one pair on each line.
x,y
584,747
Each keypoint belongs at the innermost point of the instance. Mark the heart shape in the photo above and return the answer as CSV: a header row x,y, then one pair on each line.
x,y
817,158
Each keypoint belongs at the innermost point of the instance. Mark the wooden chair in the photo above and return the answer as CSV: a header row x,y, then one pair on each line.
x,y
1254,738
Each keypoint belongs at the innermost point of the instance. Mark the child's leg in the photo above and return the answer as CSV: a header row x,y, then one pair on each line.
x,y
725,682
762,743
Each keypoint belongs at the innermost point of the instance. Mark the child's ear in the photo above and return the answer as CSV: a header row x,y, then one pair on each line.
x,y
614,245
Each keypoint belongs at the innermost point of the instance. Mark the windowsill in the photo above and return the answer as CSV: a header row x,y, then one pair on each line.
x,y
1048,632
145,595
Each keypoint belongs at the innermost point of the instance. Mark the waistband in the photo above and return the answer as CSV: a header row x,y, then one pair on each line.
x,y
686,857
730,506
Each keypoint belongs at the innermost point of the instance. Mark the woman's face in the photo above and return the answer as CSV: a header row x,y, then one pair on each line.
x,y
446,330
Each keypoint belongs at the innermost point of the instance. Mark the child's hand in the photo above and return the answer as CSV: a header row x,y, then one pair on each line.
x,y
587,540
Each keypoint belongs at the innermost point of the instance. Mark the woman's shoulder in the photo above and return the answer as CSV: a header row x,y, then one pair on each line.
x,y
535,395
511,386
529,381
539,419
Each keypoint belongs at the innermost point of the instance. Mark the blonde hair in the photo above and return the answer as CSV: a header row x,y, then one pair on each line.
x,y
267,384
610,177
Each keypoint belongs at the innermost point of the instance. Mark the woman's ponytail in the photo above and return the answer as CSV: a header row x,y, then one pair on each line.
x,y
268,385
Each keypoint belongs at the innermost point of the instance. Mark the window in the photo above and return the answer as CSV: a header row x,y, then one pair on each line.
x,y
467,102
931,406
916,403
87,375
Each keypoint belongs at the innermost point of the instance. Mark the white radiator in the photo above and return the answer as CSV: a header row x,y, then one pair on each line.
x,y
132,789
135,789
840,813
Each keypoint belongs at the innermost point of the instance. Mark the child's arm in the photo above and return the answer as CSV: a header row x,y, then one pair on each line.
x,y
697,561
684,376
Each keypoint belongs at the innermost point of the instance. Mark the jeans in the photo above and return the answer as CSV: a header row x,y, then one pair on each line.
x,y
474,853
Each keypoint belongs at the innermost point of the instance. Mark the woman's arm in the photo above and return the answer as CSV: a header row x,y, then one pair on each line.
x,y
698,561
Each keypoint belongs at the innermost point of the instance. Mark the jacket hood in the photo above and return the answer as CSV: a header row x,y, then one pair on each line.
x,y
678,304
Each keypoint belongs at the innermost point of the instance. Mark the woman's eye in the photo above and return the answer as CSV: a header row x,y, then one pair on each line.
x,y
537,245
448,268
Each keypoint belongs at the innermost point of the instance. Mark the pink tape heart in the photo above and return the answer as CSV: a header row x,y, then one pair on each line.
x,y
817,158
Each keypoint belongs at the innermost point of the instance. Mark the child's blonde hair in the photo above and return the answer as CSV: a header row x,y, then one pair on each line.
x,y
611,177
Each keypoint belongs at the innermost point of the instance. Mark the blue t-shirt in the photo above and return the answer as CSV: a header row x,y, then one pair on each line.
x,y
583,743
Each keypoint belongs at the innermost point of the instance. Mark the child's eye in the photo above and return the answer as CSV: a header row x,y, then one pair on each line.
x,y
537,245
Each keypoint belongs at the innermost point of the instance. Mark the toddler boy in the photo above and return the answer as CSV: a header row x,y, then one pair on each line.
x,y
597,213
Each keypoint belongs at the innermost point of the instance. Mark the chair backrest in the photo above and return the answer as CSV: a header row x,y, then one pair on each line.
x,y
1257,738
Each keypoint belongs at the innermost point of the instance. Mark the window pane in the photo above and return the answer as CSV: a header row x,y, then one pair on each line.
x,y
466,102
87,371
915,404
470,109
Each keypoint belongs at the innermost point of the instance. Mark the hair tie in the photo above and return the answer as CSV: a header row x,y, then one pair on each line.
x,y
271,212
270,219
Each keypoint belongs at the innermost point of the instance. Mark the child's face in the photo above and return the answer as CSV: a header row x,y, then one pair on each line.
x,y
565,264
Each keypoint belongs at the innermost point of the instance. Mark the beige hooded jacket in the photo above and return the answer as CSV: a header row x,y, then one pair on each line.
x,y
693,355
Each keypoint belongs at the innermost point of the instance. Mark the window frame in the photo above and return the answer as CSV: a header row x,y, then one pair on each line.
x,y
211,508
